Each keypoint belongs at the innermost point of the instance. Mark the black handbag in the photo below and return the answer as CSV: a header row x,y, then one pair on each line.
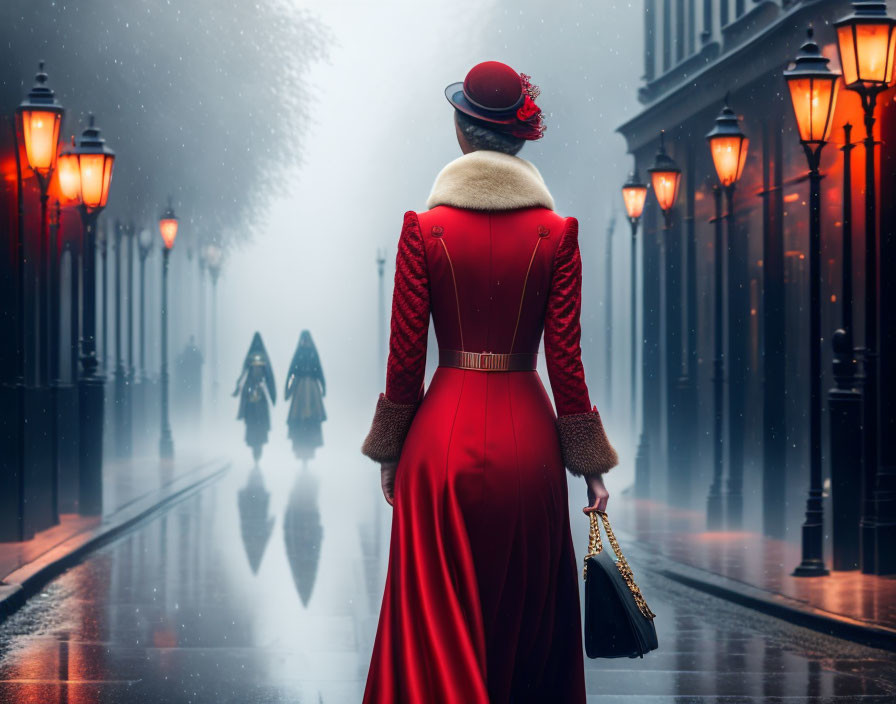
x,y
618,622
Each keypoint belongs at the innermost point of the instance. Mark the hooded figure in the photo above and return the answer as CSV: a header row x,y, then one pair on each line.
x,y
257,373
306,386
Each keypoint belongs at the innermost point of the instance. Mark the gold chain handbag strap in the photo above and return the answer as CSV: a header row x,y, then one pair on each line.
x,y
595,547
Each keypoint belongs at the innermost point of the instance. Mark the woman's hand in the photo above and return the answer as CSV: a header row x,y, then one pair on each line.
x,y
387,480
597,494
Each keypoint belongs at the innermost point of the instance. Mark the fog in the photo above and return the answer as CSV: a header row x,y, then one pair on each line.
x,y
296,134
381,130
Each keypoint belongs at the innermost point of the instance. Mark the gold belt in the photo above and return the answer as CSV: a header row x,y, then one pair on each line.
x,y
488,361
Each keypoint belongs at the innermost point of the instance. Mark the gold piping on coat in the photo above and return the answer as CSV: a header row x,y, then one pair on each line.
x,y
460,327
519,312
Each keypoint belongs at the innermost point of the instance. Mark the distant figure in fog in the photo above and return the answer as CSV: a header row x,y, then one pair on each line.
x,y
188,384
306,386
257,374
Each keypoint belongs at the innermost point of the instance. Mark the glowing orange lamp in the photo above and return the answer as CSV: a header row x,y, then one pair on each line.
x,y
665,176
867,43
95,162
68,173
168,226
634,194
41,116
728,146
813,93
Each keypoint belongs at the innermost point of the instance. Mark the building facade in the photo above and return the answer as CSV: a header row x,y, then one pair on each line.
x,y
696,53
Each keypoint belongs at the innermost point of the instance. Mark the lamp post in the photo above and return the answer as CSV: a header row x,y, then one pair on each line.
x,y
665,178
634,195
845,401
168,230
728,146
131,366
68,180
103,240
40,117
866,41
144,245
813,93
213,260
94,176
121,439
68,176
140,392
202,261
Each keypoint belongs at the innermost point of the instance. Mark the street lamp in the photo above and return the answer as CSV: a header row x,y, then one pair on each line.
x,y
214,257
634,195
665,177
94,160
168,230
728,146
867,42
813,92
41,117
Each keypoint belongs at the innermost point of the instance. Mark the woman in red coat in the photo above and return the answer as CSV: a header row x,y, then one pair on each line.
x,y
481,601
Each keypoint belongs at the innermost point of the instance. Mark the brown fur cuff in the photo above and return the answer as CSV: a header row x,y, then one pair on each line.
x,y
391,423
585,446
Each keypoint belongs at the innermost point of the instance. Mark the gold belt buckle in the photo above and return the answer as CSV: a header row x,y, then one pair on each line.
x,y
486,360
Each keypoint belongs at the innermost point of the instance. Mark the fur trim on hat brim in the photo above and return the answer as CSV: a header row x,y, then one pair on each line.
x,y
486,180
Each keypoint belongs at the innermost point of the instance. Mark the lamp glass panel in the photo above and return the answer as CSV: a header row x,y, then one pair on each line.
x,y
107,179
813,100
847,45
873,44
665,186
891,64
41,131
93,172
69,176
744,146
726,157
168,229
634,197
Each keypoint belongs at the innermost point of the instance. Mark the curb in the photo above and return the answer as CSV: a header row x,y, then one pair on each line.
x,y
770,603
20,585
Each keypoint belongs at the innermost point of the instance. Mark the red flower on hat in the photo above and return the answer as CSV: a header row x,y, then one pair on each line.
x,y
528,110
529,113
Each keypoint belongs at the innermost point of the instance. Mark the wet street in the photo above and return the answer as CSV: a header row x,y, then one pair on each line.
x,y
265,587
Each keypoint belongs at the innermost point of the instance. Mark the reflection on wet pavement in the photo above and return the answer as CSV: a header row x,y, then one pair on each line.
x,y
265,587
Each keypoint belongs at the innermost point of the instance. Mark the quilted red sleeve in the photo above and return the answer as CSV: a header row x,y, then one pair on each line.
x,y
562,330
586,448
407,348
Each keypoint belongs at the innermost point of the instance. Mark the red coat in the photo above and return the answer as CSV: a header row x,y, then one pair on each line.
x,y
481,600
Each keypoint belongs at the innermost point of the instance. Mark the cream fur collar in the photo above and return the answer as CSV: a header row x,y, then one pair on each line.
x,y
485,180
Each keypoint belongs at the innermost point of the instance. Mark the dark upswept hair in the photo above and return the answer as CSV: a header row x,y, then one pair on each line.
x,y
481,136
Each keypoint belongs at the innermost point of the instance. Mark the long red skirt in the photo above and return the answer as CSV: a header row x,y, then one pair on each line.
x,y
481,601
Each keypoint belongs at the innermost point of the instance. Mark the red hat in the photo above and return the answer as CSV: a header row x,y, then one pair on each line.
x,y
494,93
